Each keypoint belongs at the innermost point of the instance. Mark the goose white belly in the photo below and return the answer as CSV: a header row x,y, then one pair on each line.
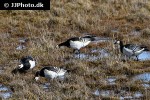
x,y
78,44
50,74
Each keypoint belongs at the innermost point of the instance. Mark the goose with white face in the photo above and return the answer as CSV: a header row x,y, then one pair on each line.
x,y
27,63
131,49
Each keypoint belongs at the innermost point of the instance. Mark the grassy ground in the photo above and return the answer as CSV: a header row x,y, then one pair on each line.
x,y
67,18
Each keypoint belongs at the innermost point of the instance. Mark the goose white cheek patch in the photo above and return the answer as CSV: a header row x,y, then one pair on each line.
x,y
36,78
20,66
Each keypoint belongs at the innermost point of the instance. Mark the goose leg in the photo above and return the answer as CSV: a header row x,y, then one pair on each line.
x,y
125,57
51,80
129,58
76,51
79,53
137,58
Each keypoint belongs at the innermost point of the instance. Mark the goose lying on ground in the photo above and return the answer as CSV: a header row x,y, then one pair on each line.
x,y
50,72
27,63
77,42
131,49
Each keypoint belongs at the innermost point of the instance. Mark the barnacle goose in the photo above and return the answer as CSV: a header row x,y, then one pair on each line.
x,y
50,72
77,42
26,63
131,49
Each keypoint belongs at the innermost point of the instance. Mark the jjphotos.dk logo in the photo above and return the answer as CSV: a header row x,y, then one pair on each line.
x,y
6,5
24,4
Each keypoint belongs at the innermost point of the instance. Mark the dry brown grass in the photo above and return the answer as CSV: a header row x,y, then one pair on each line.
x,y
68,18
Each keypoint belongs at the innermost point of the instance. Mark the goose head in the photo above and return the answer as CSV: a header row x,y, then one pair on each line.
x,y
37,75
117,42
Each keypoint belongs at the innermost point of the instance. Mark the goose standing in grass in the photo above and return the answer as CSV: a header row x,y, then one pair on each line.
x,y
131,49
27,63
50,72
77,42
